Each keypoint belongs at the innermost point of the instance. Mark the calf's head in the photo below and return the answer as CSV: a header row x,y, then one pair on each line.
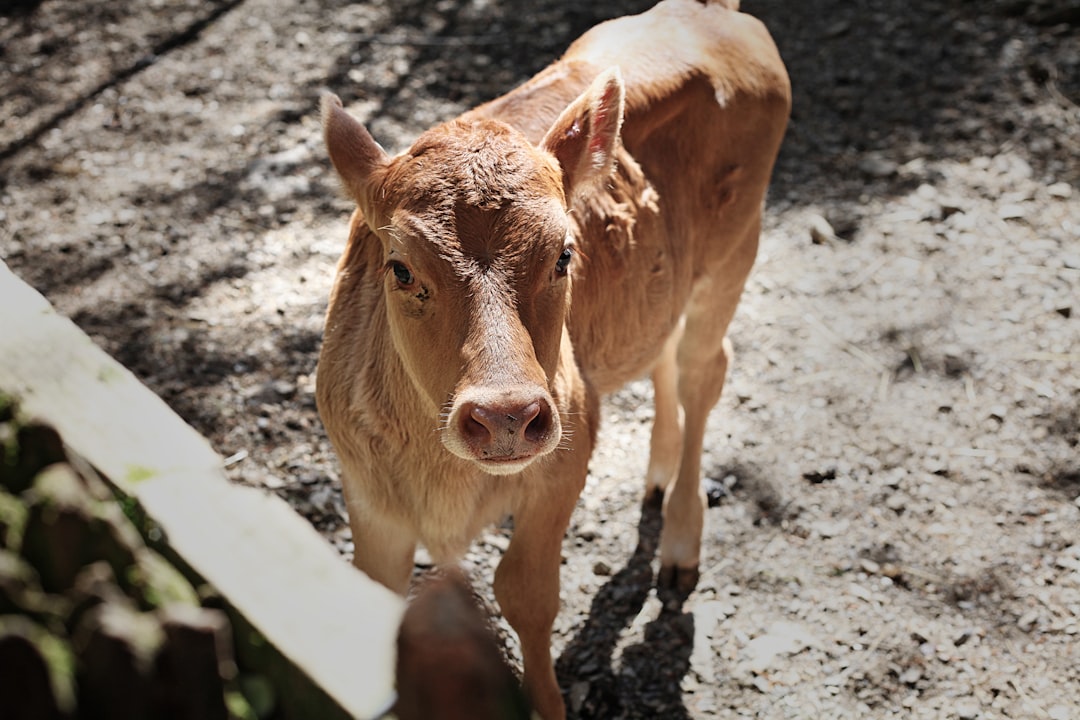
x,y
478,258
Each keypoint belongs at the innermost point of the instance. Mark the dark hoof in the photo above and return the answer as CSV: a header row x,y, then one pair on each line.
x,y
654,497
678,581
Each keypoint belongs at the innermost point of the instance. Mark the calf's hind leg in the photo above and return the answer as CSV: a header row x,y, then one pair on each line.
x,y
703,356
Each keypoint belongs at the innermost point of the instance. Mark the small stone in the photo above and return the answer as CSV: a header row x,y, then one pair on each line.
x,y
816,477
579,691
1059,712
821,231
950,206
968,709
965,636
877,167
715,491
926,191
99,217
1011,211
780,640
271,482
860,592
588,531
711,612
601,568
894,478
911,676
897,502
956,364
497,542
837,29
1028,620
829,529
1061,190
284,388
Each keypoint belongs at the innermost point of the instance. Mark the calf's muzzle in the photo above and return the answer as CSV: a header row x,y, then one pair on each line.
x,y
505,429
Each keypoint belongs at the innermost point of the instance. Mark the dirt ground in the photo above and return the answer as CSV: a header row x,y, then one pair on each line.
x,y
893,471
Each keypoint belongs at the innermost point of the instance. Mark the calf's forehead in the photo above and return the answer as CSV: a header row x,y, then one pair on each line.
x,y
513,237
479,186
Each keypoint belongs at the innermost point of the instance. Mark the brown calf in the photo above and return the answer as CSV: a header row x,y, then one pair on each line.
x,y
593,225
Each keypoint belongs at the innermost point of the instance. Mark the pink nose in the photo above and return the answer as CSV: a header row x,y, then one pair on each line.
x,y
507,428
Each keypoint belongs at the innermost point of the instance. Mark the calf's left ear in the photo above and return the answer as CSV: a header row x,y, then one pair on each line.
x,y
355,154
584,137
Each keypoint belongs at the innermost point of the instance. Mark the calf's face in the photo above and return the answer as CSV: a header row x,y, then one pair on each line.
x,y
479,256
477,286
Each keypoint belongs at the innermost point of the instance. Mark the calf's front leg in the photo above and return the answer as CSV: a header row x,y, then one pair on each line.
x,y
383,549
665,444
527,584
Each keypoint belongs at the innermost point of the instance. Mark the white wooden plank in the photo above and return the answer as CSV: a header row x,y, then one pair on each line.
x,y
330,620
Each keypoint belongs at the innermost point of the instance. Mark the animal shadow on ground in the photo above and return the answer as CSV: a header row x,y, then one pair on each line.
x,y
641,680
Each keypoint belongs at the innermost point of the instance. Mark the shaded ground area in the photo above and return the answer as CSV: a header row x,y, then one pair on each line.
x,y
894,466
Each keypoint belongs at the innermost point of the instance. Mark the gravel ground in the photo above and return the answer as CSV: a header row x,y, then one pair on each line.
x,y
893,471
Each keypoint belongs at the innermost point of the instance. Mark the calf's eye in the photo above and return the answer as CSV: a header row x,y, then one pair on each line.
x,y
402,274
563,262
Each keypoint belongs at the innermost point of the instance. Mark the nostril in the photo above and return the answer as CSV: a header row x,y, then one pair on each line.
x,y
476,426
537,423
529,413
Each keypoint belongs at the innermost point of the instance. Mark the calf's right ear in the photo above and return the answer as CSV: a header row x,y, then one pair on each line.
x,y
586,134
353,151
